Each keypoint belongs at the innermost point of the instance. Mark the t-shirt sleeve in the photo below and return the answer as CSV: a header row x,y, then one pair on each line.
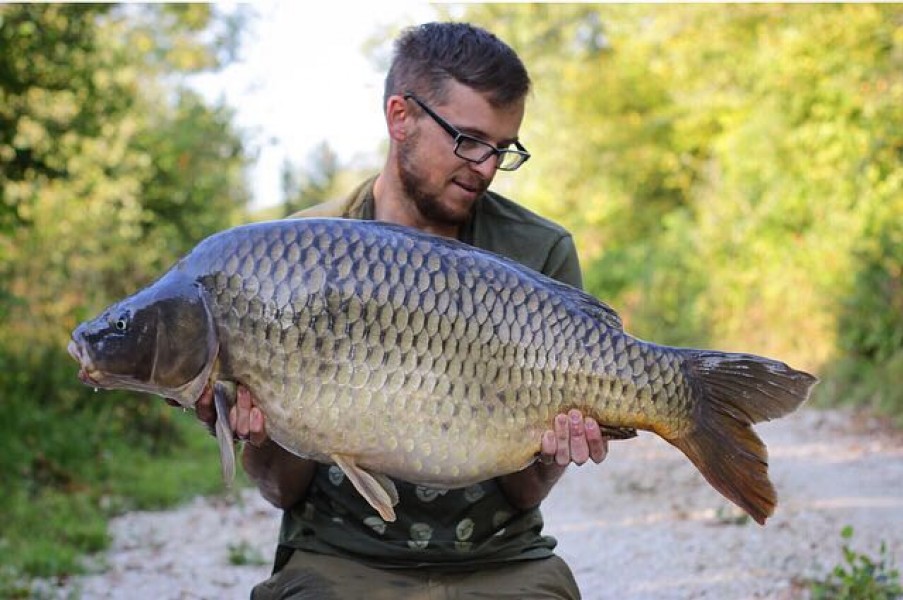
x,y
563,264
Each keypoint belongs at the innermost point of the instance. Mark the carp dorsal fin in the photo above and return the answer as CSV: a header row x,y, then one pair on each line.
x,y
597,308
223,399
377,489
587,303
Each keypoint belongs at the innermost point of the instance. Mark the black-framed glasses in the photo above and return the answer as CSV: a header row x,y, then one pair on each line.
x,y
474,149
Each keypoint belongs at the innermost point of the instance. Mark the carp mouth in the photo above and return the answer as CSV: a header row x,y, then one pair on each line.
x,y
87,373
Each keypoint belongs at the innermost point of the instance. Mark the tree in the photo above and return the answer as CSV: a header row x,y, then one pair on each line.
x,y
315,183
110,168
114,168
727,170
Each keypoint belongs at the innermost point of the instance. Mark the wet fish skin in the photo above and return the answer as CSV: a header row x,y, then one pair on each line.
x,y
389,351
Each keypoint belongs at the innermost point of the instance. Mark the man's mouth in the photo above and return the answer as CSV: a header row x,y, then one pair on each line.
x,y
472,187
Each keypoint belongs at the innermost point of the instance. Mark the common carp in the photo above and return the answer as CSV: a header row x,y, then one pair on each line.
x,y
391,352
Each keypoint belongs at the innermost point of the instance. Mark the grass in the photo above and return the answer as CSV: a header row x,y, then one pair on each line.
x,y
66,487
859,576
244,554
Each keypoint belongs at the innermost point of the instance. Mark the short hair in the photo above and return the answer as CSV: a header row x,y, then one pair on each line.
x,y
427,56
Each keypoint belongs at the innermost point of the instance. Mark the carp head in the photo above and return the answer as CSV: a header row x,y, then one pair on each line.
x,y
161,340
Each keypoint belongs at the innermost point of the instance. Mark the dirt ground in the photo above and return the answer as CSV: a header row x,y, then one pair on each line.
x,y
642,525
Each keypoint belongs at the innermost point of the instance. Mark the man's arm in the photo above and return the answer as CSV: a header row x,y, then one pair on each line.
x,y
575,438
282,477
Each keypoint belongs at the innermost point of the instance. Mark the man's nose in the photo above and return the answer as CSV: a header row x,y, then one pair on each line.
x,y
487,168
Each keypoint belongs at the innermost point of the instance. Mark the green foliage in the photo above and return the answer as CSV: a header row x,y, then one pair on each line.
x,y
126,168
733,174
871,323
859,576
310,184
243,554
110,168
71,458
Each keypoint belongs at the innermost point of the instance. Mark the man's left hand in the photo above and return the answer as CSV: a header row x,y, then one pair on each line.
x,y
575,439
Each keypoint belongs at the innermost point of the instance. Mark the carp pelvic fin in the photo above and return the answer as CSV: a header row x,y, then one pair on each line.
x,y
733,392
377,489
223,399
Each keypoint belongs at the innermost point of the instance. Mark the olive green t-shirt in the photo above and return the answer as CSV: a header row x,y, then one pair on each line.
x,y
451,529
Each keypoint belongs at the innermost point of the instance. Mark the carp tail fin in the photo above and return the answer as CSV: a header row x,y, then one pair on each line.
x,y
732,392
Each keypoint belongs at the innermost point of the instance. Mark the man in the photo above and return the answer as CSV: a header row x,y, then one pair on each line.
x,y
454,101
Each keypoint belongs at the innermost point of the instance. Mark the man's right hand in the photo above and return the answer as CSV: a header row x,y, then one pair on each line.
x,y
204,409
247,419
282,477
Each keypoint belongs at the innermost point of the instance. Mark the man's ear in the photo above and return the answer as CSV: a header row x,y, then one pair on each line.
x,y
397,117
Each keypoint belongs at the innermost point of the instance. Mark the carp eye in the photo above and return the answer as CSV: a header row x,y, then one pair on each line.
x,y
122,323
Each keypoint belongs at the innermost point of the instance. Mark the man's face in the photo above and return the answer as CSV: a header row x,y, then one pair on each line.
x,y
443,186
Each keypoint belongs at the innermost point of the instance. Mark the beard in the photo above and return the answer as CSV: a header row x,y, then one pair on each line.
x,y
417,188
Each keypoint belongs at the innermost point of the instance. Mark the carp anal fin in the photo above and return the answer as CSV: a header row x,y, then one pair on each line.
x,y
223,399
617,433
376,489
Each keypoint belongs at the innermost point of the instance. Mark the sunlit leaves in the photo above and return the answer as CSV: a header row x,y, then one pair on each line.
x,y
724,167
110,169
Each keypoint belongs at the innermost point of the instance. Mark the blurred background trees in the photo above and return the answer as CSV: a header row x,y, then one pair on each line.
x,y
110,168
733,175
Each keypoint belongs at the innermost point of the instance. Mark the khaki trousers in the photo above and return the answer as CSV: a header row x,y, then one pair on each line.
x,y
314,576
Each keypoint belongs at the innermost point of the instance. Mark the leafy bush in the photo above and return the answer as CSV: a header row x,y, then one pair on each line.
x,y
72,458
109,169
870,328
859,576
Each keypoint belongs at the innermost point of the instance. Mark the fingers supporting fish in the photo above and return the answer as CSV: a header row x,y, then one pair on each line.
x,y
573,439
598,444
247,419
204,408
548,449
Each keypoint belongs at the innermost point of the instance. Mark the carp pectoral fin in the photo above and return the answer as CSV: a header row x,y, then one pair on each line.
x,y
377,489
223,401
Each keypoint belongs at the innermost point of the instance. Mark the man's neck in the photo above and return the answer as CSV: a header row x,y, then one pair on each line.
x,y
391,205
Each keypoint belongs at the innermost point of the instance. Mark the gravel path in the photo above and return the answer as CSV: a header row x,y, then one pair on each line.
x,y
642,525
